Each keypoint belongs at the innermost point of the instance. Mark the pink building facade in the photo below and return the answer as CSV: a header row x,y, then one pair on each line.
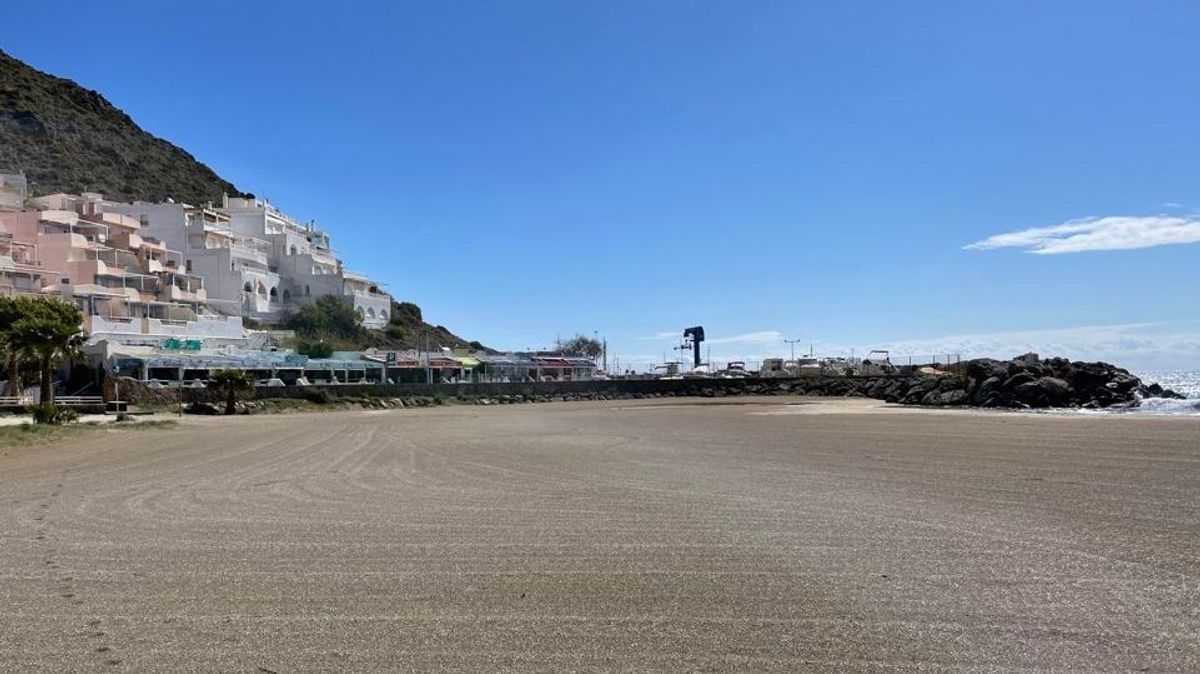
x,y
130,287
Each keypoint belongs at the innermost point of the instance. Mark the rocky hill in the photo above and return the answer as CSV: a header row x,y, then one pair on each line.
x,y
407,329
67,138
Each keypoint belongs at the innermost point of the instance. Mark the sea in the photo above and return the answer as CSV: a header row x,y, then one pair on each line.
x,y
1185,382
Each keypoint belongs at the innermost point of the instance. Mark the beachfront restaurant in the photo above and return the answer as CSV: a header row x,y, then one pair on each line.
x,y
171,367
411,367
534,367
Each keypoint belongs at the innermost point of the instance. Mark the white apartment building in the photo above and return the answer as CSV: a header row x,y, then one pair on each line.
x,y
256,260
237,269
305,261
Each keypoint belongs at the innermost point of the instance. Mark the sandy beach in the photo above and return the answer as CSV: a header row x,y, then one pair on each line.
x,y
684,535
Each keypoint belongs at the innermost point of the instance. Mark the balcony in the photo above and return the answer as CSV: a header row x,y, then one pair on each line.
x,y
197,327
249,253
201,327
114,258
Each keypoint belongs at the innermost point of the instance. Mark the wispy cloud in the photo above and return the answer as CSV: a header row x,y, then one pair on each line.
x,y
1154,346
761,337
1165,345
1091,234
662,335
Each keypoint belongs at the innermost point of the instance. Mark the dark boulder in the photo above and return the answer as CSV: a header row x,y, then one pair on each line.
x,y
1057,391
988,388
982,369
955,397
1016,380
1157,391
1032,394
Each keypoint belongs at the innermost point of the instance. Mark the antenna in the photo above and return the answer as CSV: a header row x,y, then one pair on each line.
x,y
793,343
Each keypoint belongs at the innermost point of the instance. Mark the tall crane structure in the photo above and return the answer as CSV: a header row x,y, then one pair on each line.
x,y
693,336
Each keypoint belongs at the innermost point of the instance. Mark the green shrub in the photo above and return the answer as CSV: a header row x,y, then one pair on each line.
x,y
53,415
318,348
327,318
405,310
319,396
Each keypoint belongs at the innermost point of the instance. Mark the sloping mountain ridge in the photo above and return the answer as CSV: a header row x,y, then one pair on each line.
x,y
67,138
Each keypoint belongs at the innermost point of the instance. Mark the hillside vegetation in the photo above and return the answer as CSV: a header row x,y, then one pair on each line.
x,y
70,139
330,324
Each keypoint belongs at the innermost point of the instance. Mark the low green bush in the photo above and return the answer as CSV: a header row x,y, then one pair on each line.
x,y
319,396
53,415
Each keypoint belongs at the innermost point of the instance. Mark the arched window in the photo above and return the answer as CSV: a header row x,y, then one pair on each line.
x,y
370,312
247,287
274,294
292,250
287,295
383,314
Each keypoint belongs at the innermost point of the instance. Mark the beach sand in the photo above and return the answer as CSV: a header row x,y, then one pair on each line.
x,y
679,535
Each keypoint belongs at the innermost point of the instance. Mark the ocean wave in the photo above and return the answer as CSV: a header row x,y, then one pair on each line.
x,y
1168,407
1183,382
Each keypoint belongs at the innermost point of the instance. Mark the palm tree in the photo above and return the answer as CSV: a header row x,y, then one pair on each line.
x,y
47,332
232,382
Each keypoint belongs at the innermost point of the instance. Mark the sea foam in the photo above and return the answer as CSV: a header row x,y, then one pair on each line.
x,y
1184,382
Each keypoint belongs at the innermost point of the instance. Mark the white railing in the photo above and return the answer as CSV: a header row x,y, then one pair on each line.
x,y
205,326
78,401
121,325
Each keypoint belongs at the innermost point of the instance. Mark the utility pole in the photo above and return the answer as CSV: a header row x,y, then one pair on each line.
x,y
428,369
793,343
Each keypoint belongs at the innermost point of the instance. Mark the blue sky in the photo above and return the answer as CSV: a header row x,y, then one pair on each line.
x,y
768,170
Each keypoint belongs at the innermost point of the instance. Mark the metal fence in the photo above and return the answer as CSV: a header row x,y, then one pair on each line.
x,y
875,363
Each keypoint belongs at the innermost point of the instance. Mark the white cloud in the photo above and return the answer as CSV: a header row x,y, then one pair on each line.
x,y
662,335
1139,346
761,337
1169,345
1089,234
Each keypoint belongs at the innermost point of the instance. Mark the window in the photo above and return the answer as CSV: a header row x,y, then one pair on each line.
x,y
287,296
274,294
292,250
187,266
247,287
306,291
